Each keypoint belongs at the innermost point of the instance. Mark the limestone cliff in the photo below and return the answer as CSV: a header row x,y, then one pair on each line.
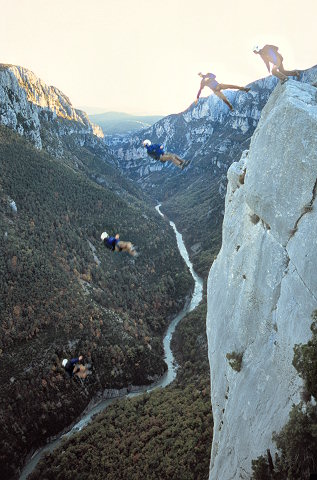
x,y
42,113
262,288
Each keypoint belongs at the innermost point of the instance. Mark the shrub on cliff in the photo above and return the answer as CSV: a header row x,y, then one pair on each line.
x,y
305,360
297,442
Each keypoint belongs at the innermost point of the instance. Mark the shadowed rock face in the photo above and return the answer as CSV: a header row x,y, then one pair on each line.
x,y
262,289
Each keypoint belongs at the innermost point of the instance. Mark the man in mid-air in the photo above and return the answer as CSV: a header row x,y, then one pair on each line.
x,y
209,80
73,367
117,245
156,151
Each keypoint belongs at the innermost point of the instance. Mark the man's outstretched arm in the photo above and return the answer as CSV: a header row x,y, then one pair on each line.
x,y
267,63
199,92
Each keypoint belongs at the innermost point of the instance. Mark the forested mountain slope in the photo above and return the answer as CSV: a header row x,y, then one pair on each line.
x,y
165,435
56,301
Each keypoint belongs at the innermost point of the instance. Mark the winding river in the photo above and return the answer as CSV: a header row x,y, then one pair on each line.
x,y
165,380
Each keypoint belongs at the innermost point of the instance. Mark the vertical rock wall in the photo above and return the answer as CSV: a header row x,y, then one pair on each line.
x,y
262,288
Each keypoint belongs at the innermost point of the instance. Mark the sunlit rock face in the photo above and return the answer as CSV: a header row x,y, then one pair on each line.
x,y
41,113
262,288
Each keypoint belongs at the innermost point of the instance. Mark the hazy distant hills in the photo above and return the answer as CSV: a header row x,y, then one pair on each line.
x,y
114,123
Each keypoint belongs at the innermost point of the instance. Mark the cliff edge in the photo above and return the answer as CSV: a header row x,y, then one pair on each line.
x,y
262,288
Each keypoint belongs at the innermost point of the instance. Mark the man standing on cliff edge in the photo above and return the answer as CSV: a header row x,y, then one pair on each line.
x,y
270,54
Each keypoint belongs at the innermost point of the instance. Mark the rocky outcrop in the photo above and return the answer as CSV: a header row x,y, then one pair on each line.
x,y
262,288
41,113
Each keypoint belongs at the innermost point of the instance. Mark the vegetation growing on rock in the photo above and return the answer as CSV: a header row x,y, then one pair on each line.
x,y
296,457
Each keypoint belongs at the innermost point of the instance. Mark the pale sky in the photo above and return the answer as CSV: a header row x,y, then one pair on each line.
x,y
143,56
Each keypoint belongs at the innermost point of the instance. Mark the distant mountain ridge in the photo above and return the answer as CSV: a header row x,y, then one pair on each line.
x,y
119,123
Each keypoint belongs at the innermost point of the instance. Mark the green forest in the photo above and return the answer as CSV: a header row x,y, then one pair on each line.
x,y
56,301
166,434
63,294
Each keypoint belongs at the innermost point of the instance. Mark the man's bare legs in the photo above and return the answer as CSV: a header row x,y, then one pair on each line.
x,y
223,98
173,158
224,86
278,74
81,372
289,73
282,74
126,247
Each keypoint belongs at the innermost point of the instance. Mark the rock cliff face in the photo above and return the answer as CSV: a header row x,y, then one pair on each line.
x,y
262,289
41,113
